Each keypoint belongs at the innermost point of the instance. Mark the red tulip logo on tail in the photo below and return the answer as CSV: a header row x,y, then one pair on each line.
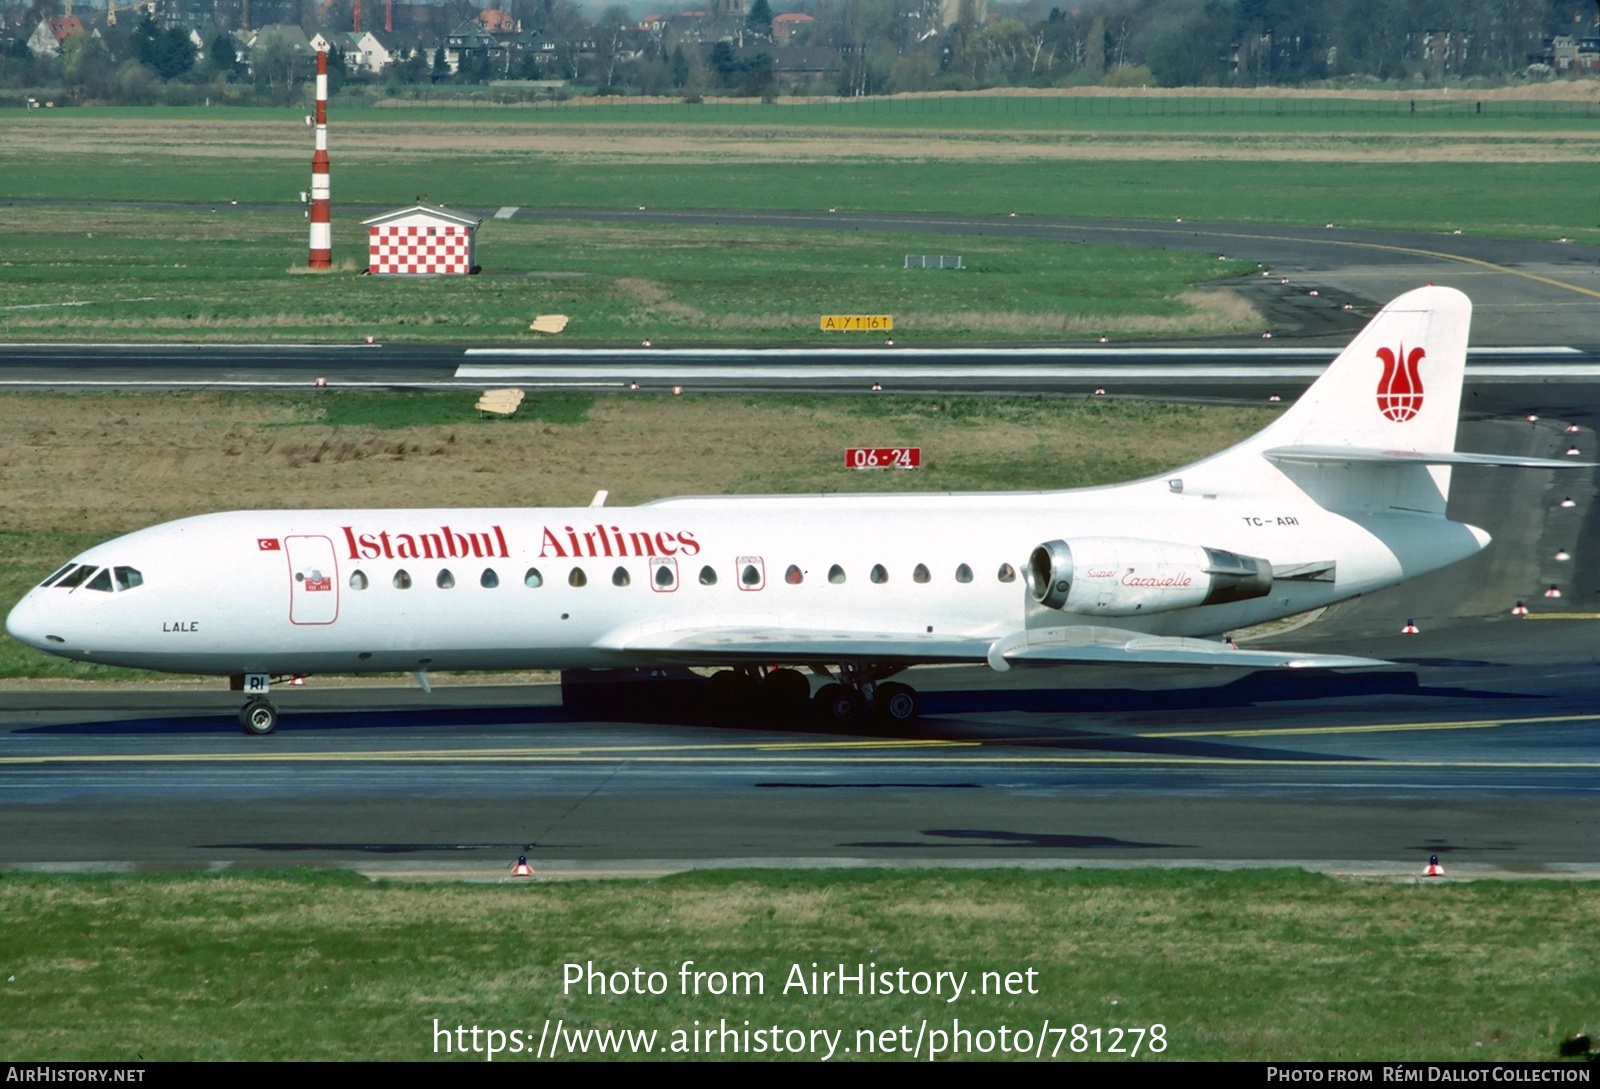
x,y
1400,388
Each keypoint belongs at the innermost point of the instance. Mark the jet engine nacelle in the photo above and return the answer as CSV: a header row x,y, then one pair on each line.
x,y
1122,576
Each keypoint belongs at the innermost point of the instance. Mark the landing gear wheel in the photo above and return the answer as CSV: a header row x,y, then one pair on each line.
x,y
898,704
787,691
258,718
838,705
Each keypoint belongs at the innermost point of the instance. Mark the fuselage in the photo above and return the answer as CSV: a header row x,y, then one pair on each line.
x,y
403,590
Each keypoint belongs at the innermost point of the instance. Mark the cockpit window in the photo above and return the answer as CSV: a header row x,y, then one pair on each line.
x,y
127,577
62,570
101,581
76,578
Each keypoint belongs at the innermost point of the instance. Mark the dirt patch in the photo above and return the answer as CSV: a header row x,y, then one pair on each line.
x,y
1213,313
399,142
120,462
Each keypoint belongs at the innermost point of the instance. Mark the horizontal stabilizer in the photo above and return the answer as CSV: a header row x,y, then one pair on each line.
x,y
1353,455
1111,645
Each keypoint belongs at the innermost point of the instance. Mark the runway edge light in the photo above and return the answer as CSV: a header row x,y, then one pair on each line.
x,y
522,869
1434,869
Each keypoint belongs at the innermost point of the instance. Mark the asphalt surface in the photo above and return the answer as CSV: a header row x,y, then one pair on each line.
x,y
1480,746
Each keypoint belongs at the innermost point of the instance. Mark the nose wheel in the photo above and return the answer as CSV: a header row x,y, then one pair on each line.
x,y
259,718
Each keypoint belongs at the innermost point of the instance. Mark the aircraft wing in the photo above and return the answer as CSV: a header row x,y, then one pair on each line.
x,y
1039,646
1111,645
734,644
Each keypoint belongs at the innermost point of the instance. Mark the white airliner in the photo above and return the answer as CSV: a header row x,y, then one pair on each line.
x,y
1344,494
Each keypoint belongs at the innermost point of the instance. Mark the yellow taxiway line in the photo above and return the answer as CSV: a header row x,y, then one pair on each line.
x,y
884,751
1266,732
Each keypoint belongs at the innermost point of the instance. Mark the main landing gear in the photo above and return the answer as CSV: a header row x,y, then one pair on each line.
x,y
891,704
858,696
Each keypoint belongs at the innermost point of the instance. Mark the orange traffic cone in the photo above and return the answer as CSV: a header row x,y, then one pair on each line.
x,y
1434,869
522,869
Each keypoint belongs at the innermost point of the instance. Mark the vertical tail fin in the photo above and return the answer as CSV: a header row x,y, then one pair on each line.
x,y
1396,390
1396,387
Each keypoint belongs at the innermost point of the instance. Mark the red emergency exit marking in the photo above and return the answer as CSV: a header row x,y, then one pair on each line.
x,y
883,457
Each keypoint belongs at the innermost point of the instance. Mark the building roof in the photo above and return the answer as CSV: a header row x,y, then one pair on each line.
x,y
421,213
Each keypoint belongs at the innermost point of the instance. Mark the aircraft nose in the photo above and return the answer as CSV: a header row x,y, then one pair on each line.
x,y
27,623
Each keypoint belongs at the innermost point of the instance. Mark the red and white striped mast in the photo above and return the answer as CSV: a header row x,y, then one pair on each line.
x,y
321,221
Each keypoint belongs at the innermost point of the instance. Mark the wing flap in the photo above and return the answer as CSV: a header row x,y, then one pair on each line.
x,y
1113,645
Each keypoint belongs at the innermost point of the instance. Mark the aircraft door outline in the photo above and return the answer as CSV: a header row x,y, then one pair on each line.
x,y
313,580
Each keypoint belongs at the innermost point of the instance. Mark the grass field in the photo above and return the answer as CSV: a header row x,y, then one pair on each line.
x,y
79,468
1243,966
214,272
120,274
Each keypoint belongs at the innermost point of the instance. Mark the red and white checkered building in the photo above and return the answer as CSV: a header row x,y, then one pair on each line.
x,y
421,241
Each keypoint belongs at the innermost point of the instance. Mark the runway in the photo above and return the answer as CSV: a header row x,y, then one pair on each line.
x,y
1491,767
1482,745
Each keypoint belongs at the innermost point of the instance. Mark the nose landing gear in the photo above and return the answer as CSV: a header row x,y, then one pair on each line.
x,y
259,717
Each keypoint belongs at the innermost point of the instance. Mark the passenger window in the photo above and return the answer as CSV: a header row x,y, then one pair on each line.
x,y
533,580
663,574
402,581
920,574
488,580
77,578
577,578
127,578
793,576
619,577
708,576
102,581
879,575
963,573
1008,573
445,581
752,572
58,573
836,575
358,580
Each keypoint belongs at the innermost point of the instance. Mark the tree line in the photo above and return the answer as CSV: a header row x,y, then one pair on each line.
x,y
874,47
